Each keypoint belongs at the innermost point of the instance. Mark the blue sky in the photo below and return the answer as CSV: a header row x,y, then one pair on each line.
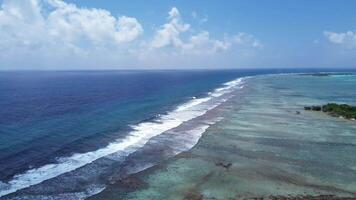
x,y
134,34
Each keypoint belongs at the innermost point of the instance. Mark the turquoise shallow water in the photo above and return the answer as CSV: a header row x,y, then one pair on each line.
x,y
266,144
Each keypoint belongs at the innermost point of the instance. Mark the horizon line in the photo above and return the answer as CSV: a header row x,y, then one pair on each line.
x,y
184,69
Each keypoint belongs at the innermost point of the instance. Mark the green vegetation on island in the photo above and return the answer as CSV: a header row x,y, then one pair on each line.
x,y
336,110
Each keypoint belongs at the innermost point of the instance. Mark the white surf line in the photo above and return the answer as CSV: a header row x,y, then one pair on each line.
x,y
136,139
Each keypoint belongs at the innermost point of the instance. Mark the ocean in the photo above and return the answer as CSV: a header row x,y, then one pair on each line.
x,y
265,147
70,134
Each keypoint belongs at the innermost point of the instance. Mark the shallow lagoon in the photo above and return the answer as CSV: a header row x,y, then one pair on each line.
x,y
265,145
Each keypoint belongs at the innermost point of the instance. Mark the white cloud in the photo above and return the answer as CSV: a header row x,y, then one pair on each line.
x,y
202,43
169,33
94,25
28,22
56,33
129,29
347,39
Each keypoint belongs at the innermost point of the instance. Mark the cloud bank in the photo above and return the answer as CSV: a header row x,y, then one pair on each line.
x,y
346,39
55,34
32,25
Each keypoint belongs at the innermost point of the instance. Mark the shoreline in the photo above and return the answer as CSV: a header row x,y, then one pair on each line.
x,y
225,165
194,108
132,181
222,161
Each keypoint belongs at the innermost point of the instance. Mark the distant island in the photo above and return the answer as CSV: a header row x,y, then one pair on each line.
x,y
327,73
336,110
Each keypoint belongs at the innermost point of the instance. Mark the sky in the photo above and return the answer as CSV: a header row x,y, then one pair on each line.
x,y
176,34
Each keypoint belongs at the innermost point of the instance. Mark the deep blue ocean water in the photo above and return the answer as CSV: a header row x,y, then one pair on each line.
x,y
46,115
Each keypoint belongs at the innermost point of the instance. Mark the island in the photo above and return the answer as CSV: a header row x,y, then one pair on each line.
x,y
323,74
336,110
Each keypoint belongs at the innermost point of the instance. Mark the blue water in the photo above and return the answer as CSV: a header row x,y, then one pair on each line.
x,y
45,115
272,145
49,115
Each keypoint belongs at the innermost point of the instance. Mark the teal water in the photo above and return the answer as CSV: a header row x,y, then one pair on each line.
x,y
266,144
